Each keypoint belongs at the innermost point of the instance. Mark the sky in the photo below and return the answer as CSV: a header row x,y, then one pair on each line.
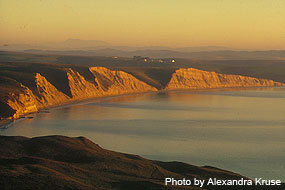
x,y
248,24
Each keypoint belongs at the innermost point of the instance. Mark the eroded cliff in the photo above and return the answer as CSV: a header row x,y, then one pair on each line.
x,y
106,82
27,96
22,102
118,82
81,88
191,78
48,94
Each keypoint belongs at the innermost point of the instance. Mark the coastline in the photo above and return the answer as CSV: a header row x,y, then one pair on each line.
x,y
7,122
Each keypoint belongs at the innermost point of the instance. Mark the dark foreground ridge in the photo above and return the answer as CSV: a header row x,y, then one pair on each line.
x,y
59,162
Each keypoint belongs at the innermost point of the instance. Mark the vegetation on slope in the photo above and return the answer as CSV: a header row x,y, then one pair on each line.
x,y
58,162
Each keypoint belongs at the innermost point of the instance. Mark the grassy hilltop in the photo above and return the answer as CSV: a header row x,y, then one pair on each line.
x,y
59,162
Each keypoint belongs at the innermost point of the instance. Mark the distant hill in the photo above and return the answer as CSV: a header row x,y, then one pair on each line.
x,y
87,45
69,44
100,48
269,69
202,55
77,43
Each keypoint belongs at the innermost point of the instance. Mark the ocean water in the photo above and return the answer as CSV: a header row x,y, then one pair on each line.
x,y
241,130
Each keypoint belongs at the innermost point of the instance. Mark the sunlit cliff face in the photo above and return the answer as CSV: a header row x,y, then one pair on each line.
x,y
197,79
108,82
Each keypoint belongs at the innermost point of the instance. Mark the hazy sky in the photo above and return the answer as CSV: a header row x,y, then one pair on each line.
x,y
258,24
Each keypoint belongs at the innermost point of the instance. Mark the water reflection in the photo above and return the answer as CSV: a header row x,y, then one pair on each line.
x,y
240,130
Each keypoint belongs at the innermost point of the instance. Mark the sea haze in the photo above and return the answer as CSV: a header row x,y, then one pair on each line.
x,y
241,130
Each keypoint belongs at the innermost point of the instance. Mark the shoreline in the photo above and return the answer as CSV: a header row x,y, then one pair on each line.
x,y
7,122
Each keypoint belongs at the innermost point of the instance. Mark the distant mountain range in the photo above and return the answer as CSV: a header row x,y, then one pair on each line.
x,y
69,44
206,55
78,44
100,48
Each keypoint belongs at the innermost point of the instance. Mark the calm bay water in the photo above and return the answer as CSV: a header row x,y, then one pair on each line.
x,y
241,130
